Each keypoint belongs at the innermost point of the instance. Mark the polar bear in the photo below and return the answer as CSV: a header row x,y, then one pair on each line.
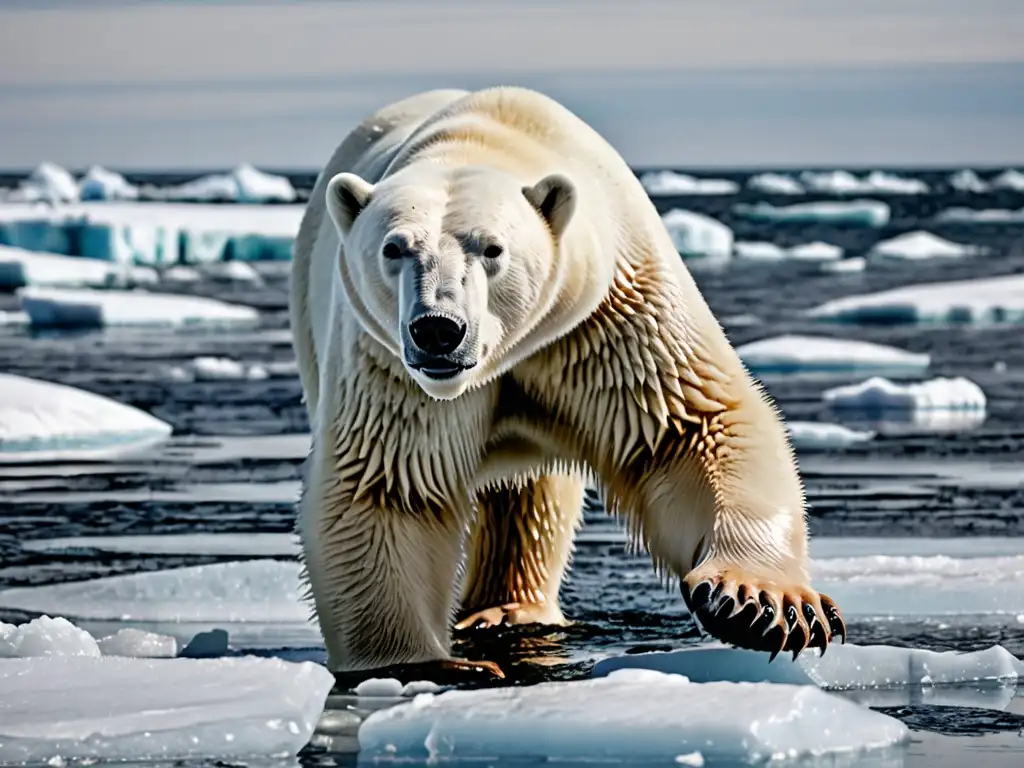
x,y
488,313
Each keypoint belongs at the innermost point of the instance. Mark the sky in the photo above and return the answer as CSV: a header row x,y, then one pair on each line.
x,y
148,85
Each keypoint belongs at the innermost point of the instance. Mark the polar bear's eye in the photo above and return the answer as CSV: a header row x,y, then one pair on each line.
x,y
392,251
492,251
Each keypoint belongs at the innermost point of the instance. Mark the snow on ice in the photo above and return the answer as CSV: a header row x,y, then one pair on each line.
x,y
878,395
810,252
808,436
797,354
875,182
864,213
775,184
243,184
985,300
663,183
20,268
630,715
87,308
46,421
920,245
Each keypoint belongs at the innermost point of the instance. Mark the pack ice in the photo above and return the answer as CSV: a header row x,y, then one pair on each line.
x,y
661,183
63,699
20,268
798,354
46,421
863,213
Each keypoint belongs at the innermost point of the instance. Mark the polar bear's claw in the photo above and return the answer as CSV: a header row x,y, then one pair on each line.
x,y
761,615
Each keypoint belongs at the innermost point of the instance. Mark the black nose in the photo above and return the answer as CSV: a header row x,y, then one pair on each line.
x,y
436,334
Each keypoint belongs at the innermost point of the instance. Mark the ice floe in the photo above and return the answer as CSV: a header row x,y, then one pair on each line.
x,y
879,395
48,183
20,268
986,300
875,182
243,184
697,236
762,251
808,436
663,183
60,704
218,369
844,266
864,213
100,184
1010,179
798,354
632,715
920,245
841,667
46,421
967,180
775,184
87,308
959,215
152,234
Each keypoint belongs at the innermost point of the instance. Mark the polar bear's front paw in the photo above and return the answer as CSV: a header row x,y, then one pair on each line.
x,y
759,614
511,614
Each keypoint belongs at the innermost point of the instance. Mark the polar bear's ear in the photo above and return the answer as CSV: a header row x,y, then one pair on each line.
x,y
554,197
347,195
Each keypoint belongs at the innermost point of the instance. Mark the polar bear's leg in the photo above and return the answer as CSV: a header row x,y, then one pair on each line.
x,y
520,547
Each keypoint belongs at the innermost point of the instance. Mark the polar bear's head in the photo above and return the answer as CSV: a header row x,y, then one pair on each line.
x,y
450,268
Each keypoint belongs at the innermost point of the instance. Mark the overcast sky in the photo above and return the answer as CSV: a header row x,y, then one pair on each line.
x,y
160,85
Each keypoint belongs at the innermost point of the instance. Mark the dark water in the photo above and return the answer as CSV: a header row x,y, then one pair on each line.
x,y
962,484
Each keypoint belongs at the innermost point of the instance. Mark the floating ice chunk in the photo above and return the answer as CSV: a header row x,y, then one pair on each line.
x,y
863,213
816,251
218,369
379,686
920,245
48,182
695,235
630,715
121,709
1009,179
775,184
138,644
13,318
844,266
984,216
244,184
181,274
101,184
878,395
845,183
66,308
842,667
45,421
45,636
819,354
416,687
661,183
986,300
20,268
233,272
815,436
154,234
967,181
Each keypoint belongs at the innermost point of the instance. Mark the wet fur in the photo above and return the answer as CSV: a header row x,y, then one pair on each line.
x,y
624,379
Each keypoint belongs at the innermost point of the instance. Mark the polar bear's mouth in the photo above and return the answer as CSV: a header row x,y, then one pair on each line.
x,y
440,369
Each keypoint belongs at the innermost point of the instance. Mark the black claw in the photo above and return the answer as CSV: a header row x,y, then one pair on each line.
x,y
791,617
818,639
835,621
809,614
725,607
797,641
701,595
774,641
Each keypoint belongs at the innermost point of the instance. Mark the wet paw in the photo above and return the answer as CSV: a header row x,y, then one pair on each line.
x,y
759,614
510,614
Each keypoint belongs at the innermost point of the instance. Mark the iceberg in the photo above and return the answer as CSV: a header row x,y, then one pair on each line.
x,y
45,421
878,396
87,308
629,715
662,183
48,183
842,667
244,184
975,301
61,708
697,236
1010,179
101,184
967,180
796,354
862,213
808,436
154,234
759,251
983,216
920,245
20,268
876,182
775,184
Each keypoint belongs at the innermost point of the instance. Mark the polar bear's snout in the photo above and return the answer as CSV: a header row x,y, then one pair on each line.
x,y
437,335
